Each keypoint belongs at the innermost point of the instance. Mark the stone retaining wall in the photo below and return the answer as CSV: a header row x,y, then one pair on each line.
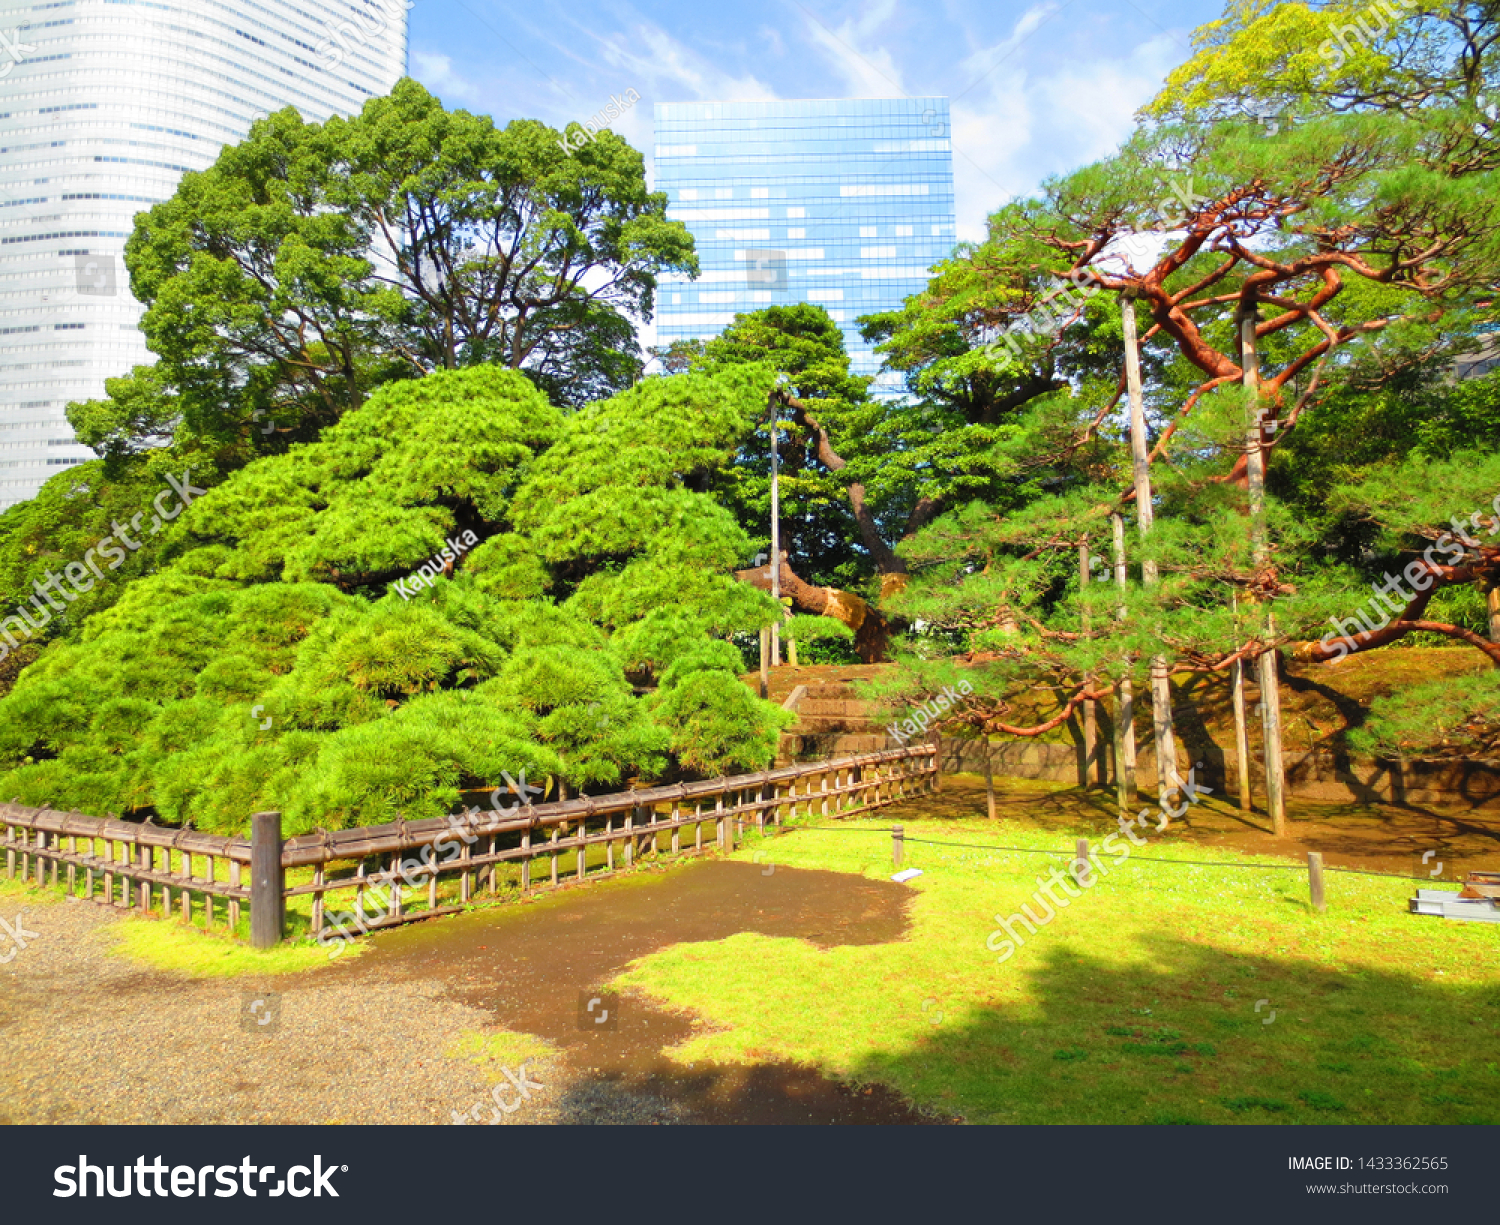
x,y
1310,776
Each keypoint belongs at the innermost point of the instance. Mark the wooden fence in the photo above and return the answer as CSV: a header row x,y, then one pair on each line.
x,y
127,864
418,869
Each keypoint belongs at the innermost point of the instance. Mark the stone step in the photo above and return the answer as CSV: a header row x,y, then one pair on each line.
x,y
822,705
814,725
831,744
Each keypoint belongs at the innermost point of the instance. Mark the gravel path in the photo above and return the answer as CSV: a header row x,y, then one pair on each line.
x,y
90,1038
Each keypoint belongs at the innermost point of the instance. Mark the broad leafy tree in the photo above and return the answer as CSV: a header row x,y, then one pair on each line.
x,y
453,583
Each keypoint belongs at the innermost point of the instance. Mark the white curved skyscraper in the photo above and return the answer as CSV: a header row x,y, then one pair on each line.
x,y
103,105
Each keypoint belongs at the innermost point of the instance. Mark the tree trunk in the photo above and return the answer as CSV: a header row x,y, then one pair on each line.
x,y
1090,714
1241,735
1255,481
1125,785
1241,730
872,632
1161,689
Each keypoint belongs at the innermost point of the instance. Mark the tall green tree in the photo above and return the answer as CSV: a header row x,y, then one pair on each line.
x,y
313,262
456,581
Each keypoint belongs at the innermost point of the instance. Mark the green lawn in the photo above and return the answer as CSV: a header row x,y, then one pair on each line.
x,y
1137,1004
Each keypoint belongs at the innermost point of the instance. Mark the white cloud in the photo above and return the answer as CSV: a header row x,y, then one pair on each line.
x,y
1014,127
664,68
437,73
1096,102
867,71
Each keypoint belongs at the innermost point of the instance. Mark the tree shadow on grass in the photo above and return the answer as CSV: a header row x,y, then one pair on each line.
x,y
1184,1033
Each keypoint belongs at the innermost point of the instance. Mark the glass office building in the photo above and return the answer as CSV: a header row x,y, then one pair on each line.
x,y
843,203
103,105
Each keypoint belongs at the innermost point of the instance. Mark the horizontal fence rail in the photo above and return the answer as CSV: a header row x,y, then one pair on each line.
x,y
127,864
419,869
479,851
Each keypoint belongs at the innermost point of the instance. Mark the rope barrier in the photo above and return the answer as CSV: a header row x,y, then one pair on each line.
x,y
1031,850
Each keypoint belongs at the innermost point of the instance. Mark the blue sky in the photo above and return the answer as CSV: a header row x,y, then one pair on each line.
x,y
1036,88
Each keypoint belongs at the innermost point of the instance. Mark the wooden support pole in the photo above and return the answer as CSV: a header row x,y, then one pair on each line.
x,y
1081,871
145,856
185,898
1241,723
1315,880
1241,734
1255,485
1091,754
319,902
267,881
989,777
1125,783
1161,688
898,845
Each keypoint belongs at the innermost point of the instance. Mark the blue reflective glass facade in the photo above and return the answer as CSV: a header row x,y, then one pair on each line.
x,y
843,203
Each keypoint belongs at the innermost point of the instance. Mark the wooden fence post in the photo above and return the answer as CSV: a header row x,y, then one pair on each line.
x,y
898,844
267,881
1081,862
989,777
1315,880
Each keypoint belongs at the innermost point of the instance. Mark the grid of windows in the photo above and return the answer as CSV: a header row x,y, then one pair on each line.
x,y
845,203
108,103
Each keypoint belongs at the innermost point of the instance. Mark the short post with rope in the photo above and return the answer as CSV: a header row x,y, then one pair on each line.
x,y
1315,880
